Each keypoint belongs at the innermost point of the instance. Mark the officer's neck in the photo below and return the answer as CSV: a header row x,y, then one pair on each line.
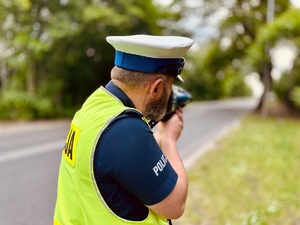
x,y
138,96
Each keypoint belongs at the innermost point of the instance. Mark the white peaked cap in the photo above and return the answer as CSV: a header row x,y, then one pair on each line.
x,y
152,46
151,54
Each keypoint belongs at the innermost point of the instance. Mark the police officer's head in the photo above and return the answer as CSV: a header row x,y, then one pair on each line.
x,y
152,63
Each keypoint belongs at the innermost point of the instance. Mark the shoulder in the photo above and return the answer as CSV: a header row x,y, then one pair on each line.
x,y
124,137
128,123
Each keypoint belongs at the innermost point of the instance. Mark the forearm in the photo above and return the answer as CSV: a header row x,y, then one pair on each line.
x,y
170,150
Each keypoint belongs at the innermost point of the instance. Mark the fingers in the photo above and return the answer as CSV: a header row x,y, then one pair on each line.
x,y
177,118
179,113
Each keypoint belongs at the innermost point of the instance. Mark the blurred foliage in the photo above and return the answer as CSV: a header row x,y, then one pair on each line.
x,y
295,95
239,47
53,54
287,87
213,77
284,28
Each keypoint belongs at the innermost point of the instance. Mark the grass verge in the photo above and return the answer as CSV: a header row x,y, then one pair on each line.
x,y
250,178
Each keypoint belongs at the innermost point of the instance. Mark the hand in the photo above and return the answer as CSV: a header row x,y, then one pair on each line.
x,y
171,129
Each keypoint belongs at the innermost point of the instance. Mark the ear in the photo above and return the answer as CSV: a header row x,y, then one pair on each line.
x,y
156,88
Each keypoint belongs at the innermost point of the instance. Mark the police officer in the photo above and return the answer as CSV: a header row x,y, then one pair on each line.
x,y
114,170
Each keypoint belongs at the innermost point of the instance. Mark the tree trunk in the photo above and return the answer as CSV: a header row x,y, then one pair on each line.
x,y
30,79
267,79
3,76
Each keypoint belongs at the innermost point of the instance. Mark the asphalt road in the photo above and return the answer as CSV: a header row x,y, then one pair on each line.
x,y
30,155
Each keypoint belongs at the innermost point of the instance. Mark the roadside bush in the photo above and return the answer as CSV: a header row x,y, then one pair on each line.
x,y
295,96
20,105
287,91
287,88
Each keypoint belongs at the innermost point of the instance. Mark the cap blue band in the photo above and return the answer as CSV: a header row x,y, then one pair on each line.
x,y
146,64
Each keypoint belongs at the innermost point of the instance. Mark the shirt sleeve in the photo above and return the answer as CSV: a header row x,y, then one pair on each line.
x,y
128,153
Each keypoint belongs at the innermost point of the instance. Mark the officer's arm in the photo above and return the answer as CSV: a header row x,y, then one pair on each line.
x,y
172,207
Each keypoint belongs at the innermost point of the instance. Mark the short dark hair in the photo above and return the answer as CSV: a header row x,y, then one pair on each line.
x,y
134,79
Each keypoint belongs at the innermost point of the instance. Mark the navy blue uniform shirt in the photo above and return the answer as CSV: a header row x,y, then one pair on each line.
x,y
130,169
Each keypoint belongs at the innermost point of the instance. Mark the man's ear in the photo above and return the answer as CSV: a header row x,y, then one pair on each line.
x,y
156,87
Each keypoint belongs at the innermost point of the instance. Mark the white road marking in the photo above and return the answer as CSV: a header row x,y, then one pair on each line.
x,y
32,150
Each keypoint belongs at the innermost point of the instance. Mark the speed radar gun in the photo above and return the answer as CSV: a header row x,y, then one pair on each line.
x,y
179,98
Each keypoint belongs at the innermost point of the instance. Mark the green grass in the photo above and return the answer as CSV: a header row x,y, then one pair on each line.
x,y
251,177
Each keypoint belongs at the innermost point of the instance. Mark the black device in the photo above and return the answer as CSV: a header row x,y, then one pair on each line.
x,y
179,98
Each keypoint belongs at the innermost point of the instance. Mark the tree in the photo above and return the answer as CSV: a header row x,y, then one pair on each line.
x,y
238,29
56,53
284,28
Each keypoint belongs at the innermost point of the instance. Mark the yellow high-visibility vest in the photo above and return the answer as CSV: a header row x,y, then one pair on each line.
x,y
79,201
